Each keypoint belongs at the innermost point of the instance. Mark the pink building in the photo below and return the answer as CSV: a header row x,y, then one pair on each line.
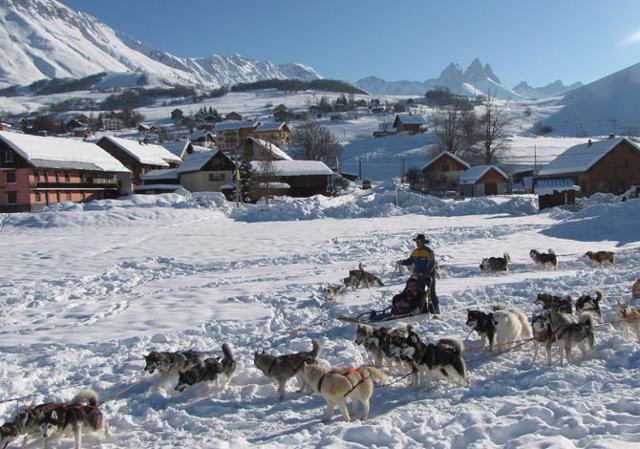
x,y
37,171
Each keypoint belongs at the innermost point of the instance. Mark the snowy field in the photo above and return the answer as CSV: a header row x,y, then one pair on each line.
x,y
88,290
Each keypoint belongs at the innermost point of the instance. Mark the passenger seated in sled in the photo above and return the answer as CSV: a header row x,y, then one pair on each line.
x,y
410,301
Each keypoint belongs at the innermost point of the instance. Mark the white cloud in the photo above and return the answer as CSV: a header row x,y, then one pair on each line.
x,y
633,38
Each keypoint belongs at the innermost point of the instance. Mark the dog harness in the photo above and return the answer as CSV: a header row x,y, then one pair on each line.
x,y
347,373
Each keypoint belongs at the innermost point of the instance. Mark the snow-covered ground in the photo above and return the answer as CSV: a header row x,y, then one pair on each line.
x,y
88,290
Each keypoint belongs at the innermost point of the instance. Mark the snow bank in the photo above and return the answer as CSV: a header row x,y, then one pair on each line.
x,y
610,222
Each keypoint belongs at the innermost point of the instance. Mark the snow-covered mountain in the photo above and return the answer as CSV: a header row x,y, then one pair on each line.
x,y
46,39
550,90
606,106
475,80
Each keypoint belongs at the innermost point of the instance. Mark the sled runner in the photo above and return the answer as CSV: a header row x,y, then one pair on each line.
x,y
386,321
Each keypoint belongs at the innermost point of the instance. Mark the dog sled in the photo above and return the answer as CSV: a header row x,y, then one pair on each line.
x,y
365,318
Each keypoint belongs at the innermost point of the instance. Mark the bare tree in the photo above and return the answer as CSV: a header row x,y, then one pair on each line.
x,y
448,128
316,143
493,130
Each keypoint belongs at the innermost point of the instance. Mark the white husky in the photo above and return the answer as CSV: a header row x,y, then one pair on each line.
x,y
512,327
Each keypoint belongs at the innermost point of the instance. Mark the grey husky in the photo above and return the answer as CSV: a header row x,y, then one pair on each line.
x,y
493,264
284,367
165,362
209,370
82,412
568,333
26,422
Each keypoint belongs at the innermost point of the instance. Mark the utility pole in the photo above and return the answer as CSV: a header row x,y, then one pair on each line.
x,y
360,168
402,175
235,154
535,159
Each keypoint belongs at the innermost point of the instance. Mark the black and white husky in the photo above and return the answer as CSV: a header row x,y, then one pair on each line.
x,y
588,303
209,370
484,324
167,362
26,422
80,414
569,333
544,259
442,359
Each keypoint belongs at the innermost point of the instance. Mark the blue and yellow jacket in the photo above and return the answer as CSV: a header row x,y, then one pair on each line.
x,y
423,261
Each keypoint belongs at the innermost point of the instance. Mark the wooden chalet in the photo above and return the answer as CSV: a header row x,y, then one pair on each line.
x,y
483,180
411,123
274,132
303,178
442,171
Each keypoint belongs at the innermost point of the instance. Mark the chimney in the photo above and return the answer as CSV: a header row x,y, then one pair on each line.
x,y
589,143
611,136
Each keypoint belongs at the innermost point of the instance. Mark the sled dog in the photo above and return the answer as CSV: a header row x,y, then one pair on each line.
x,y
601,257
165,362
209,370
493,264
360,278
544,259
484,324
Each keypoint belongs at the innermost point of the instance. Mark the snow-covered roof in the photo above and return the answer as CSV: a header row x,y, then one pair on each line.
x,y
271,148
154,175
446,153
145,153
199,133
580,158
274,185
296,168
474,174
548,186
235,124
411,119
195,161
176,148
56,152
269,126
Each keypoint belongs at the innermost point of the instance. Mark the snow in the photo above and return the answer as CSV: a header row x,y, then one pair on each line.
x,y
89,289
548,186
445,153
169,173
56,152
145,153
580,158
196,160
269,126
474,174
411,119
230,125
275,150
295,168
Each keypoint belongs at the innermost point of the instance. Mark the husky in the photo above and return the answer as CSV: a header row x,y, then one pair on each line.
x,y
209,370
399,345
80,413
635,290
371,338
335,385
284,367
629,318
334,292
484,324
511,327
601,257
544,259
542,335
493,264
557,303
166,362
587,303
443,359
568,333
27,423
360,278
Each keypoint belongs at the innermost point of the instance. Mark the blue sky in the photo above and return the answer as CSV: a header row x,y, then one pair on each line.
x,y
537,41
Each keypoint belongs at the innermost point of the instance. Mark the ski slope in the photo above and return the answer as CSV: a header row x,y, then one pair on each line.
x,y
88,290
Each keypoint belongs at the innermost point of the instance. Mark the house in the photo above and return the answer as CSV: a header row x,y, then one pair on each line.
x,y
82,131
206,171
72,124
139,157
38,171
483,180
441,172
609,166
159,181
260,150
203,138
5,126
522,181
555,192
176,114
411,123
233,116
112,123
147,128
274,132
231,134
304,178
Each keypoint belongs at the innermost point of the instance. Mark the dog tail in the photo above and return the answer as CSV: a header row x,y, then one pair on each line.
x,y
360,267
379,281
527,332
507,257
86,396
226,350
586,318
375,373
453,344
599,295
317,347
552,252
497,307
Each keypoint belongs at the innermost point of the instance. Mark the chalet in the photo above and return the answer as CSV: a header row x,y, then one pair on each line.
x,y
522,181
304,178
180,148
38,171
441,172
261,150
203,138
231,134
206,171
112,123
176,114
274,132
411,123
555,192
608,166
483,180
72,124
233,116
137,156
82,131
147,128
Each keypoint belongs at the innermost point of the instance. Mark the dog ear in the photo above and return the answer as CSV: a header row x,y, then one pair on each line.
x,y
54,415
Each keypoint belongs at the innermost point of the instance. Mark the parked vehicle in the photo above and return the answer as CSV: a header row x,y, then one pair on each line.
x,y
366,184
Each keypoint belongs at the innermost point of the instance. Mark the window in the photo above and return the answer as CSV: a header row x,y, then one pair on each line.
x,y
8,156
12,197
216,177
11,176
